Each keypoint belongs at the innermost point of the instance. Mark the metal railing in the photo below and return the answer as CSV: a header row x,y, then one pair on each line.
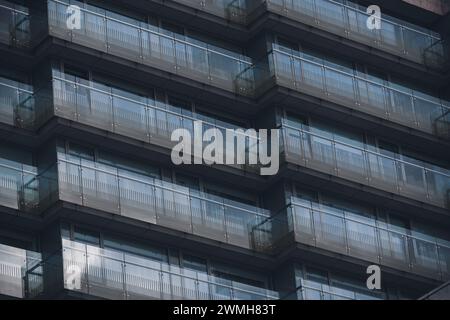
x,y
315,226
313,291
437,55
302,74
442,125
15,25
113,274
395,36
128,114
132,117
137,41
364,164
17,107
412,109
158,202
19,188
131,195
14,265
350,21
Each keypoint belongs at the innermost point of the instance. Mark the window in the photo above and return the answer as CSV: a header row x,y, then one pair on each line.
x,y
287,46
194,263
80,151
86,236
73,73
148,251
187,181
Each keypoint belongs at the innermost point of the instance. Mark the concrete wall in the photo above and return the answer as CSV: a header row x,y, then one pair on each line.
x,y
436,6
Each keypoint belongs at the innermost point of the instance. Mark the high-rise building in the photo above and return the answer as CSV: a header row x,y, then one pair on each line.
x,y
93,207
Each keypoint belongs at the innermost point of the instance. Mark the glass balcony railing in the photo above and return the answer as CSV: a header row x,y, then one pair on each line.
x,y
117,275
155,201
144,43
350,90
14,25
17,106
132,115
16,278
127,114
443,125
437,55
326,229
309,290
364,164
395,36
349,21
18,186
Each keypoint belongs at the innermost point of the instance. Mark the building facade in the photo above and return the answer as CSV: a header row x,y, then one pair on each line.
x,y
92,206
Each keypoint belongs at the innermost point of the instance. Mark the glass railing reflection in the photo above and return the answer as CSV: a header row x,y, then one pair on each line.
x,y
394,36
322,81
393,247
309,290
15,277
132,115
437,55
19,187
112,274
14,25
158,202
365,164
347,20
17,106
143,43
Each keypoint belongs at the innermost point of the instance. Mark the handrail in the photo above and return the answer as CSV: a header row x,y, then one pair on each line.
x,y
355,76
15,87
68,244
387,20
283,216
303,286
149,105
435,242
18,170
14,9
162,186
157,33
284,125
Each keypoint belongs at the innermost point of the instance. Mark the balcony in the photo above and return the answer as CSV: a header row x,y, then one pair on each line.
x,y
18,186
437,55
14,25
129,115
112,274
349,90
309,290
151,200
17,107
16,276
327,229
363,164
145,44
443,125
395,36
126,114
